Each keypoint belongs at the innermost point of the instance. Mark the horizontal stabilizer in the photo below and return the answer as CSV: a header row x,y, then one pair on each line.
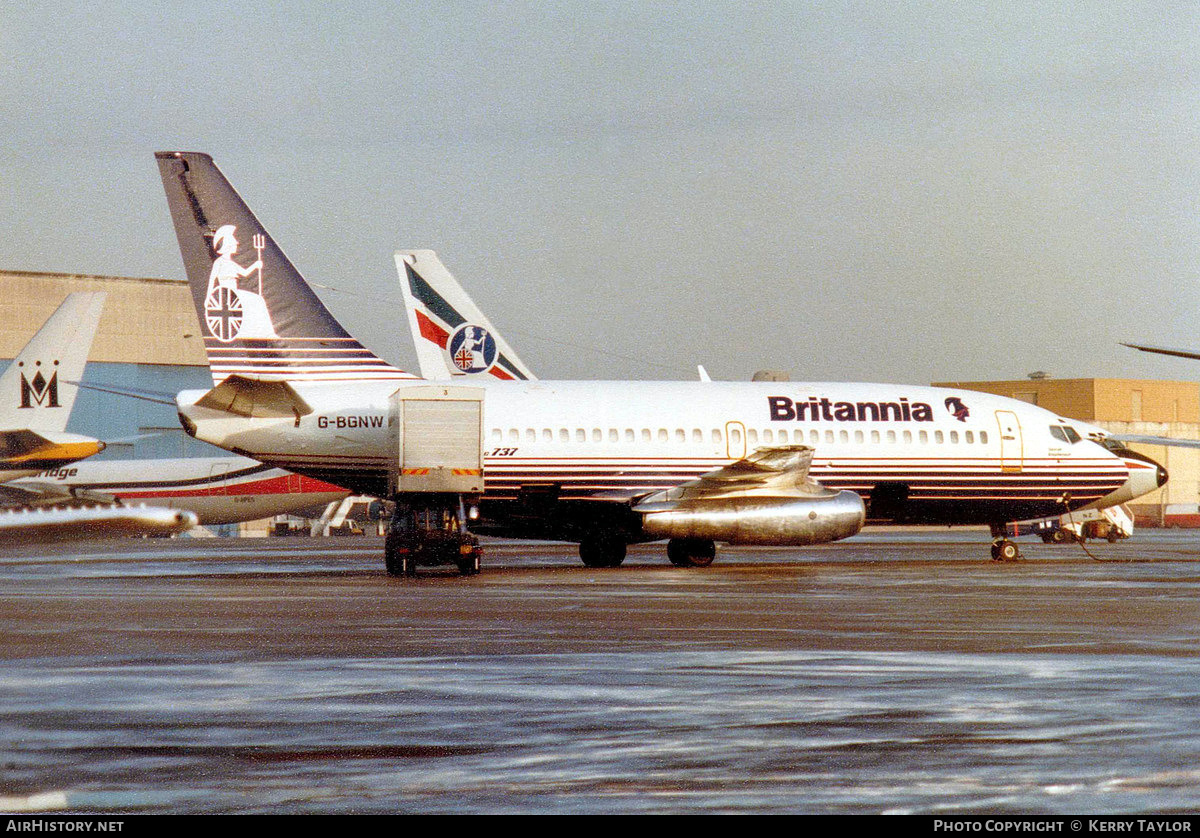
x,y
1178,353
25,447
41,526
255,398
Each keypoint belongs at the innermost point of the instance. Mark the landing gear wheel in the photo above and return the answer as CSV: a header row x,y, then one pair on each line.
x,y
1059,536
1005,551
602,550
1113,536
691,552
468,565
391,559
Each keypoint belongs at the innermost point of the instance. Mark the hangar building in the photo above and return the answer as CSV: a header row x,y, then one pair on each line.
x,y
149,339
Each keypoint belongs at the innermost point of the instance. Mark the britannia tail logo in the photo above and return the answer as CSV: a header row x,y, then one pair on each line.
x,y
39,390
472,349
230,311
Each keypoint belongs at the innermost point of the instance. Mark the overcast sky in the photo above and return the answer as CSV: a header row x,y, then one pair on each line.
x,y
908,192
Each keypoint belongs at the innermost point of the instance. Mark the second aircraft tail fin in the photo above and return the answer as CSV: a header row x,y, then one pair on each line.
x,y
34,393
452,336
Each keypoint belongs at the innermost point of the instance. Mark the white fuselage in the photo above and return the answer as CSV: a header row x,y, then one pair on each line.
x,y
219,490
954,456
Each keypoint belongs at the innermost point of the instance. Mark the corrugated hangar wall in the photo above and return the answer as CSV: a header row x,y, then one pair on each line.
x,y
149,339
145,321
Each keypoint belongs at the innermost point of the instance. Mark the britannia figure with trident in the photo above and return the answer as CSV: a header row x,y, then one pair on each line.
x,y
231,311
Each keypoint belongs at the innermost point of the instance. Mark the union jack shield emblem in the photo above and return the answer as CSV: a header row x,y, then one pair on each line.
x,y
223,313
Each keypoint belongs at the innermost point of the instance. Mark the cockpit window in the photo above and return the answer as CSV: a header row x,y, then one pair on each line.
x,y
1065,433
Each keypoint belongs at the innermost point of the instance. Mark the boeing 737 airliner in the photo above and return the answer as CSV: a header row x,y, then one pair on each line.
x,y
602,463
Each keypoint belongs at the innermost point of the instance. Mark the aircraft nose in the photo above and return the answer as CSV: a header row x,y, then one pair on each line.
x,y
1145,474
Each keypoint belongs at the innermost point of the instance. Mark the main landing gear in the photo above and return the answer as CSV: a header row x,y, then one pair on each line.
x,y
1003,550
608,548
429,532
691,552
602,549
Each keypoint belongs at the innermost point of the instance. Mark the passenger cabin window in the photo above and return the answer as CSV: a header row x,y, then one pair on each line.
x,y
970,437
752,436
954,437
983,437
939,437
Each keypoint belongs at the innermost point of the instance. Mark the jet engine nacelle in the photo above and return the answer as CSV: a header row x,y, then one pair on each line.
x,y
786,521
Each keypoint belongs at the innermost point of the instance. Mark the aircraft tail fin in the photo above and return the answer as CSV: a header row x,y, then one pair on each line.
x,y
34,390
258,315
452,336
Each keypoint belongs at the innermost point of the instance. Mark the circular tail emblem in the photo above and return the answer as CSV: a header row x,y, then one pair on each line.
x,y
472,349
223,313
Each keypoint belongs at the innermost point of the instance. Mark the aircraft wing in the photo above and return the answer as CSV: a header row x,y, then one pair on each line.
x,y
767,473
1156,440
1179,353
34,493
28,493
42,526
